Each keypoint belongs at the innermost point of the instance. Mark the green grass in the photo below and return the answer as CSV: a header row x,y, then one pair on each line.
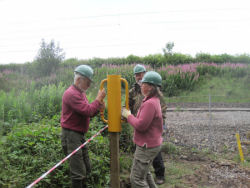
x,y
221,89
175,171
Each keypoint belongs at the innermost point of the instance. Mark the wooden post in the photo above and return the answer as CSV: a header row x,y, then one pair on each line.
x,y
114,160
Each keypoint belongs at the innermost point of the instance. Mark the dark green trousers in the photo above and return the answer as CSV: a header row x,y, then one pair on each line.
x,y
141,176
79,162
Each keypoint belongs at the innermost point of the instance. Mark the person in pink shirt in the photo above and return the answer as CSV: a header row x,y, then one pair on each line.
x,y
148,129
75,118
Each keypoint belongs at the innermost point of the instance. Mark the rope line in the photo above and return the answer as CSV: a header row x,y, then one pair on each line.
x,y
67,157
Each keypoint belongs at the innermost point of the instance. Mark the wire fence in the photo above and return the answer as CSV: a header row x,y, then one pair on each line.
x,y
208,102
208,125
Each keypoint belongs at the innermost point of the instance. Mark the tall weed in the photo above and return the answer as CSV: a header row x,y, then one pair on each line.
x,y
31,106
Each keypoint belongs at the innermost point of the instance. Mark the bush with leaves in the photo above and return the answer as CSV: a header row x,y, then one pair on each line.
x,y
30,150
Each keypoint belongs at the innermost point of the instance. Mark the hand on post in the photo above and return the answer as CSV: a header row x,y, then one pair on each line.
x,y
125,113
102,106
101,95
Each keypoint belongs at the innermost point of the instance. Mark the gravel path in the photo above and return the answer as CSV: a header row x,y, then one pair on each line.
x,y
202,130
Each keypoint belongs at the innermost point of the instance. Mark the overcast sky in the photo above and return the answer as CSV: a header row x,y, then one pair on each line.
x,y
118,28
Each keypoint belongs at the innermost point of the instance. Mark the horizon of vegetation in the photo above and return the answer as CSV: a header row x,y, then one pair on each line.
x,y
168,56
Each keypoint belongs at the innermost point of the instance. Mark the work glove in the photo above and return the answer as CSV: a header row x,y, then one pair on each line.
x,y
125,113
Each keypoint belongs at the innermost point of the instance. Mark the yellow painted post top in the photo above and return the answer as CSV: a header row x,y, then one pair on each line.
x,y
114,101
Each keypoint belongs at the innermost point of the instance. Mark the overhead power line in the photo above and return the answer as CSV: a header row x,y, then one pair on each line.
x,y
35,32
34,20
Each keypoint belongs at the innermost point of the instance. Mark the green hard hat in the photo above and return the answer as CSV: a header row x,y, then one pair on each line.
x,y
152,77
139,68
85,70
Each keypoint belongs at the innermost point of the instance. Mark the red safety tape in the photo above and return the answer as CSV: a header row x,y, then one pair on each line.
x,y
68,156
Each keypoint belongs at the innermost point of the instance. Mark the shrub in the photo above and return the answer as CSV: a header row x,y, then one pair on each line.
x,y
31,150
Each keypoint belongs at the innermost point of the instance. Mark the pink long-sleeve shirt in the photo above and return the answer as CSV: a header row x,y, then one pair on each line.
x,y
76,110
148,123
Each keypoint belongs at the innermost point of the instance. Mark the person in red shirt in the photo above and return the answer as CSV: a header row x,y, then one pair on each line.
x,y
148,129
75,118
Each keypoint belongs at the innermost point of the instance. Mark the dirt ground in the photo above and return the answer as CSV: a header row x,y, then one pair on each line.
x,y
197,169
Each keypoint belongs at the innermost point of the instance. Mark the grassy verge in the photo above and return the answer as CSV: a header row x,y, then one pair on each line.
x,y
221,89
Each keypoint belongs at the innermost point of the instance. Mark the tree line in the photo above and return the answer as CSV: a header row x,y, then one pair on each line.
x,y
51,57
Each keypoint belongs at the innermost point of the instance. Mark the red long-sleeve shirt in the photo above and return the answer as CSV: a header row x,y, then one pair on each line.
x,y
148,123
76,110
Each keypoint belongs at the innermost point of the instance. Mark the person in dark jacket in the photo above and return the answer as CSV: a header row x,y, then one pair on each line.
x,y
148,129
135,101
75,118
